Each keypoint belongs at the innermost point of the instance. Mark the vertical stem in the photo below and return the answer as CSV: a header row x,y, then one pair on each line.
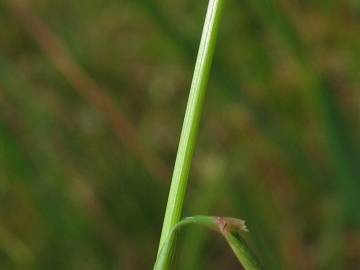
x,y
192,119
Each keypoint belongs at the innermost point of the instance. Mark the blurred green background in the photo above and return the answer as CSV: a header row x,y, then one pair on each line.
x,y
92,96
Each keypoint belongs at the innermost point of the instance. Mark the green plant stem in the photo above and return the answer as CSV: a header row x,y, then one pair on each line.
x,y
192,119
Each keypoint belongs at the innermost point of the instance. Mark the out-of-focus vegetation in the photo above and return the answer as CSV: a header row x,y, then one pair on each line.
x,y
92,95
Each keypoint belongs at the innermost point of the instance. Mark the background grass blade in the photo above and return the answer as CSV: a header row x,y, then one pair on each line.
x,y
341,148
88,88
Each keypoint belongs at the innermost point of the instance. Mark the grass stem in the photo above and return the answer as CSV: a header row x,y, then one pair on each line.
x,y
192,120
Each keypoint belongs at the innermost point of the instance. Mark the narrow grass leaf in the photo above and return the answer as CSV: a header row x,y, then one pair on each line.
x,y
227,227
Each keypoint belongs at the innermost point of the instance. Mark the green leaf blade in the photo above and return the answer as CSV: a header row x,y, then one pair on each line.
x,y
227,227
242,252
